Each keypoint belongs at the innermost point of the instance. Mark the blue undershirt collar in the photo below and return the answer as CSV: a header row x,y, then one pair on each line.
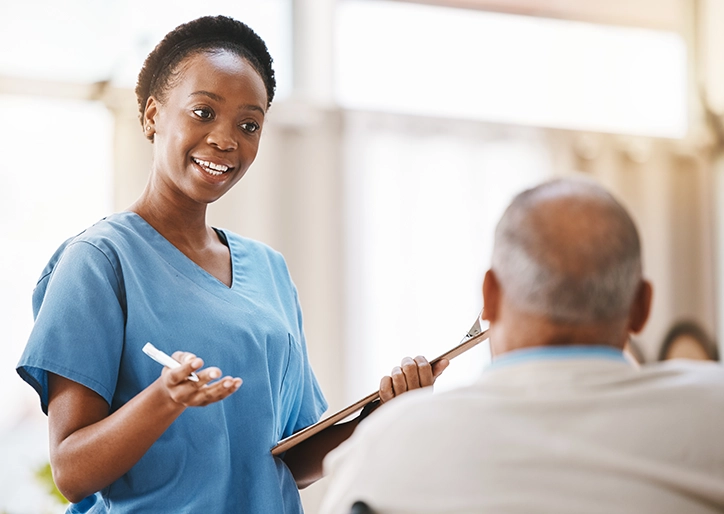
x,y
561,352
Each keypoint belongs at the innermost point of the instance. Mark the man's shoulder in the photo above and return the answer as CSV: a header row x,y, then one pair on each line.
x,y
422,407
686,375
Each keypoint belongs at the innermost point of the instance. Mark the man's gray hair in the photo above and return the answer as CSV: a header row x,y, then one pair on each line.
x,y
567,250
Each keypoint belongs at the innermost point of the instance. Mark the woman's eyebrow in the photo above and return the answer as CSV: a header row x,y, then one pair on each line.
x,y
219,98
211,95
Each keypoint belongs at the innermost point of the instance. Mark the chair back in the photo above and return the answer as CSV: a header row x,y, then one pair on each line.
x,y
361,508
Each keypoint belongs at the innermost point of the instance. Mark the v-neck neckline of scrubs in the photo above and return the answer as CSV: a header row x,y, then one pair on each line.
x,y
183,262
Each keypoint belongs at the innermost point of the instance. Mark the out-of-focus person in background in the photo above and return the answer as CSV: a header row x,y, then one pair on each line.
x,y
688,340
561,421
123,435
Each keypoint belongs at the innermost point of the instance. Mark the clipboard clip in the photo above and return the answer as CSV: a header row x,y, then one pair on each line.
x,y
474,330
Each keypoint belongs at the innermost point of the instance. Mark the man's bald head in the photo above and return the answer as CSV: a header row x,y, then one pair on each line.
x,y
568,251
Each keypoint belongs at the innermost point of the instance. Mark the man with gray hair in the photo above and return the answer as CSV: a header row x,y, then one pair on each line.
x,y
593,279
561,421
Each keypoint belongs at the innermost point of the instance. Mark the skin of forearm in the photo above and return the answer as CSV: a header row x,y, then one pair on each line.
x,y
305,459
85,459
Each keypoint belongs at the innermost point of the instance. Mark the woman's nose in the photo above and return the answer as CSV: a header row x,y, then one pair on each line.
x,y
222,138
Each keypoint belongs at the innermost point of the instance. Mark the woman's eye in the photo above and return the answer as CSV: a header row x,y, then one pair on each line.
x,y
250,126
204,114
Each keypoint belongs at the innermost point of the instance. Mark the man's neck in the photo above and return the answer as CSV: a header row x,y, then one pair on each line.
x,y
524,330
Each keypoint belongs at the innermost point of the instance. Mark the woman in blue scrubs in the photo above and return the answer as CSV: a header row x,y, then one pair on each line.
x,y
125,434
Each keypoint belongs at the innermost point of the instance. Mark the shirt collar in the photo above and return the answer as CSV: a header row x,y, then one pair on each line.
x,y
560,352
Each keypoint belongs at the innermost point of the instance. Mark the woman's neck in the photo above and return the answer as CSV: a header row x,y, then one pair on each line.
x,y
183,225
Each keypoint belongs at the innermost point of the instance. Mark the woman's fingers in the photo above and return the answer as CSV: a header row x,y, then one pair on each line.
x,y
183,357
410,374
439,367
189,364
211,393
208,389
424,370
386,392
399,383
204,392
208,375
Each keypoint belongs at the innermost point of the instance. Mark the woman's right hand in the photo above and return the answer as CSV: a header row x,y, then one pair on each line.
x,y
82,429
208,389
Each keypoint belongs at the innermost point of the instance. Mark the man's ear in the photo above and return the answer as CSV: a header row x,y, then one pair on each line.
x,y
491,297
641,307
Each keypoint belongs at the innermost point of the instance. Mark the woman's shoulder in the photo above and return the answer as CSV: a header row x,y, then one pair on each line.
x,y
105,237
112,229
106,230
95,248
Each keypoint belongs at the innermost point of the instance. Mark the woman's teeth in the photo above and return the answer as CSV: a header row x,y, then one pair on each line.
x,y
212,168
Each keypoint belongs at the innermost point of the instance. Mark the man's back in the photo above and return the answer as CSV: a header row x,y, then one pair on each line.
x,y
562,422
553,431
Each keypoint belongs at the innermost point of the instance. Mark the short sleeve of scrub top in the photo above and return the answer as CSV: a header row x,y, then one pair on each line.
x,y
120,284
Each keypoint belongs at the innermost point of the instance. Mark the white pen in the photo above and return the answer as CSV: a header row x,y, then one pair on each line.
x,y
165,360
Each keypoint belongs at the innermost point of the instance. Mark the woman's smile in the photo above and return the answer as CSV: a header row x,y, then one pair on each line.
x,y
212,168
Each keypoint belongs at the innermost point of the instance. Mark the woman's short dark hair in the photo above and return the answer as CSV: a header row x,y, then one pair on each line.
x,y
208,33
693,330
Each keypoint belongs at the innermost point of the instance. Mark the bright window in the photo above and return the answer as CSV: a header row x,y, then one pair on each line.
x,y
421,203
455,63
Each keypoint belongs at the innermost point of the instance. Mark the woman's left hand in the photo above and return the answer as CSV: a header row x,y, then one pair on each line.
x,y
410,374
305,459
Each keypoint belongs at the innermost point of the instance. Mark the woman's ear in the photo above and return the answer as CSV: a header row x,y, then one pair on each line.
x,y
491,296
149,118
641,307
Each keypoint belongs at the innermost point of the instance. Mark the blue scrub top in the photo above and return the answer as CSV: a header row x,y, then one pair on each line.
x,y
119,284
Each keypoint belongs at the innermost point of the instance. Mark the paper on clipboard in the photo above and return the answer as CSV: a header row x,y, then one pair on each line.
x,y
474,336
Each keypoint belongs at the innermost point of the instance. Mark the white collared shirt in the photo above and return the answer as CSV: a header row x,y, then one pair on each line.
x,y
562,430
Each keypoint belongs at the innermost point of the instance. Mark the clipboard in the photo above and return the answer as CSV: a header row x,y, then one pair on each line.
x,y
474,336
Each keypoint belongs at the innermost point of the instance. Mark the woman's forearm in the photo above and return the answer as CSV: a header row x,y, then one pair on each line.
x,y
91,449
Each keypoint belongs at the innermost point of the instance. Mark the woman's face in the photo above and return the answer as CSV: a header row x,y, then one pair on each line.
x,y
206,131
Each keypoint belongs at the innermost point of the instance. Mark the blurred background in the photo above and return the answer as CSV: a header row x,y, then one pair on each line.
x,y
400,132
